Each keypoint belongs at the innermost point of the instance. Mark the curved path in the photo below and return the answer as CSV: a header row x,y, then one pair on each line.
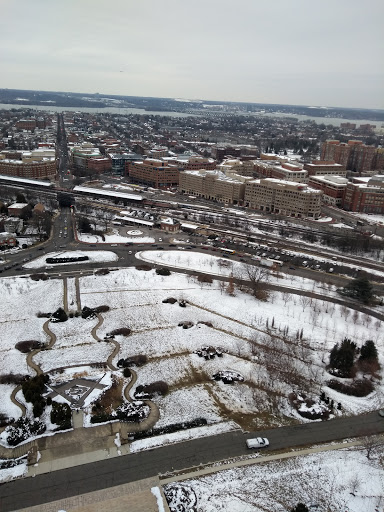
x,y
15,401
154,413
113,355
99,324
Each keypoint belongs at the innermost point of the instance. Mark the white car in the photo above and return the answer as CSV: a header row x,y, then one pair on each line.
x,y
257,442
160,239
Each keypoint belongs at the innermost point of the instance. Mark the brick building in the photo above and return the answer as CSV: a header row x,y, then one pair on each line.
x,y
333,188
39,163
283,197
365,195
353,155
154,173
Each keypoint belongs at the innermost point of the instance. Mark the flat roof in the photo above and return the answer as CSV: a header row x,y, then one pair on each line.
x,y
25,180
109,193
134,220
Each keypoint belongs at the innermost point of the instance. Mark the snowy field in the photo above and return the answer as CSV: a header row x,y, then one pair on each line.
x,y
343,480
94,257
301,332
241,325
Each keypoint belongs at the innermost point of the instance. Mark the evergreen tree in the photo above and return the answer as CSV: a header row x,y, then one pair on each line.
x,y
360,289
368,351
300,507
342,358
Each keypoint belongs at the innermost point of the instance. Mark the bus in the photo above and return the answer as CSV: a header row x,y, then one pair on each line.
x,y
228,251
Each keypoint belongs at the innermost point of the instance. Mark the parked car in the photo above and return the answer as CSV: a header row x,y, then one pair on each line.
x,y
257,442
381,413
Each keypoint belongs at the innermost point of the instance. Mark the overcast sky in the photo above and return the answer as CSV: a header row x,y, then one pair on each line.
x,y
328,52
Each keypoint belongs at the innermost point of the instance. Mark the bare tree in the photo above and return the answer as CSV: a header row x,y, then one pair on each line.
x,y
371,445
286,297
256,276
305,301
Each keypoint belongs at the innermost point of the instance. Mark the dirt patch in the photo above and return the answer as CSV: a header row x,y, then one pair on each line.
x,y
112,397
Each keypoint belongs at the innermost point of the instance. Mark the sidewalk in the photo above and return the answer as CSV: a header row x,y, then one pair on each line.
x,y
134,497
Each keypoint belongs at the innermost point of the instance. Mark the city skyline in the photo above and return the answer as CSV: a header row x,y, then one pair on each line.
x,y
279,53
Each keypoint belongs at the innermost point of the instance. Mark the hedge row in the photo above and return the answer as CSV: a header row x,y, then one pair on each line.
x,y
169,429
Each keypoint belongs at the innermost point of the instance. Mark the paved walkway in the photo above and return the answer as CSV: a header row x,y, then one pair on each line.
x,y
132,497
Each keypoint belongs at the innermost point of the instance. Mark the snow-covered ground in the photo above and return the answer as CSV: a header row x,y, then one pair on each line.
x,y
115,238
343,480
302,331
94,257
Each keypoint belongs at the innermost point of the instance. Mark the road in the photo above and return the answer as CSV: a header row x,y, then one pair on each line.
x,y
137,466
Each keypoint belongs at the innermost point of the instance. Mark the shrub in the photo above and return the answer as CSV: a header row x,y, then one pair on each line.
x,y
13,378
40,314
61,415
186,324
27,345
87,312
163,272
127,373
358,388
38,277
149,390
123,331
59,316
204,279
101,272
169,429
102,309
67,259
143,267
170,300
138,360
22,430
33,390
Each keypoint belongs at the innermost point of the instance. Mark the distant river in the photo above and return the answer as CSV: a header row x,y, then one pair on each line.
x,y
335,121
110,110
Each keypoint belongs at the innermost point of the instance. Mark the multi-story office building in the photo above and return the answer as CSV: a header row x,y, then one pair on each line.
x,y
333,188
365,195
213,185
324,168
289,172
241,167
154,173
39,163
283,197
86,156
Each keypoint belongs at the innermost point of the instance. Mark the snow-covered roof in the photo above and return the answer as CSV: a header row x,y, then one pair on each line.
x,y
95,191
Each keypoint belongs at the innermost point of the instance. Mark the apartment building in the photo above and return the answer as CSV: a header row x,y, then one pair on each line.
x,y
333,188
324,168
353,155
154,173
293,199
39,163
213,185
365,195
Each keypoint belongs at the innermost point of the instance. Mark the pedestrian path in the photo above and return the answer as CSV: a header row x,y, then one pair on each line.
x,y
131,497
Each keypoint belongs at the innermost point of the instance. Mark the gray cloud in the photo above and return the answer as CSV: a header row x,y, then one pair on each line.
x,y
276,51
